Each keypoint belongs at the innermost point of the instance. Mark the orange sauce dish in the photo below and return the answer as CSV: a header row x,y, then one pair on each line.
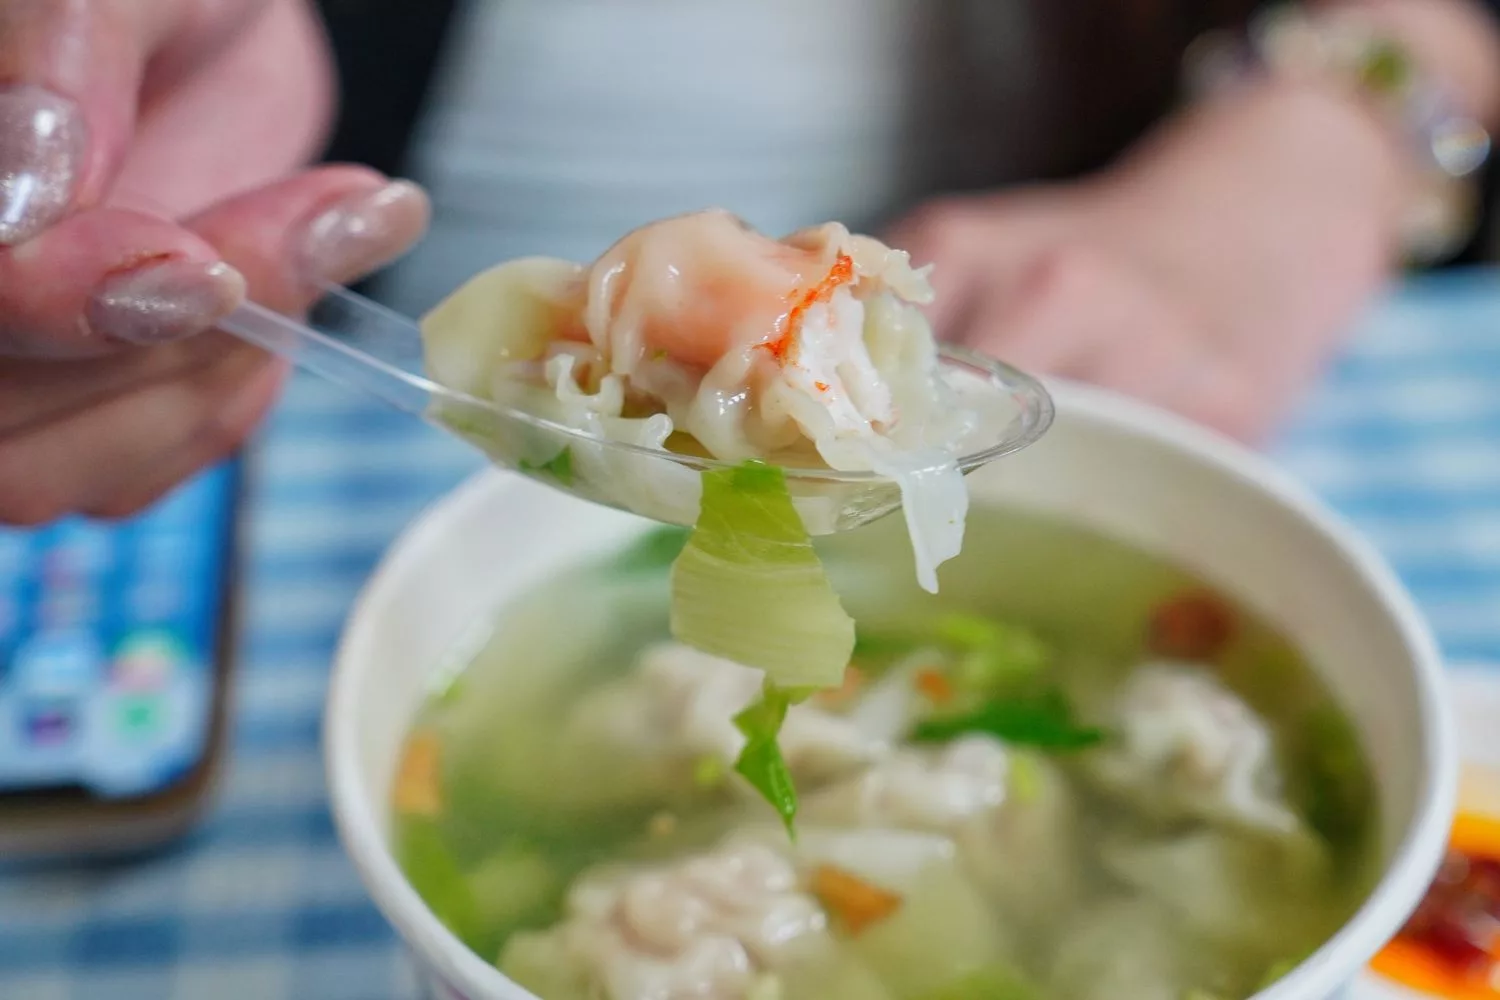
x,y
1450,947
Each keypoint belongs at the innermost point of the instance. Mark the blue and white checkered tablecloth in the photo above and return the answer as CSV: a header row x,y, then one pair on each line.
x,y
259,903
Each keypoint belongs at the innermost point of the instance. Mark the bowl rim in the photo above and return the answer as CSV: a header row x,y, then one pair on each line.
x,y
1339,959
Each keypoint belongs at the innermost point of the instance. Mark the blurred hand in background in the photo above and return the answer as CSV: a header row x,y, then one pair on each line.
x,y
1219,264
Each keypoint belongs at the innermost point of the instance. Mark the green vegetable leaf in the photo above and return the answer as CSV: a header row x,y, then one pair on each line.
x,y
749,585
1007,655
653,551
989,656
969,631
559,466
515,887
1335,792
433,871
708,772
451,690
464,423
1278,970
761,762
993,983
874,644
1026,778
1041,720
484,429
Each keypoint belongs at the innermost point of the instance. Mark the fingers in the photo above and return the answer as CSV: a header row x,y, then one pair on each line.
x,y
108,277
73,71
1078,315
33,393
259,111
980,248
111,459
940,235
232,398
194,34
1070,311
106,436
332,224
1225,397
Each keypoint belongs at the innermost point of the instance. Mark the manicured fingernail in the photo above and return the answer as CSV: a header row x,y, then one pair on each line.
x,y
365,232
41,156
163,301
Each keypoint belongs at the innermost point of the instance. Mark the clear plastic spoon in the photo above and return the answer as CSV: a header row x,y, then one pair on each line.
x,y
364,346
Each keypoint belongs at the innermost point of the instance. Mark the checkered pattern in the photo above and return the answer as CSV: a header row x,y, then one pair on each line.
x,y
260,904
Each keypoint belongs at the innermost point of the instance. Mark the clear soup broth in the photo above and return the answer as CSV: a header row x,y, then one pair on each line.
x,y
1076,773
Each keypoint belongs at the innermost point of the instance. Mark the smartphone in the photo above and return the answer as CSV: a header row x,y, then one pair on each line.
x,y
115,659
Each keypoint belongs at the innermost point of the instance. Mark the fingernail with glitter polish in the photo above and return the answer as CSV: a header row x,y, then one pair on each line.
x,y
163,301
41,155
364,232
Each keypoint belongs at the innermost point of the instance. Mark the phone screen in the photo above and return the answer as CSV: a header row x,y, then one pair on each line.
x,y
109,638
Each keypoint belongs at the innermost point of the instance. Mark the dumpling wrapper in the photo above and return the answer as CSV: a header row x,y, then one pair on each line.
x,y
1188,747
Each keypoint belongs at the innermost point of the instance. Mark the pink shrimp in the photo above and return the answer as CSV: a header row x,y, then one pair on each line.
x,y
698,287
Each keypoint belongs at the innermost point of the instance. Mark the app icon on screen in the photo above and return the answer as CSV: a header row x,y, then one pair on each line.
x,y
165,551
156,598
140,717
146,661
49,722
59,664
67,606
88,548
15,551
9,617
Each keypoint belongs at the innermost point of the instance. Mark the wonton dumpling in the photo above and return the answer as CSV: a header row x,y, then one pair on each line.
x,y
1026,854
802,351
1128,949
1015,837
915,789
752,345
678,706
706,928
1187,747
943,930
1257,892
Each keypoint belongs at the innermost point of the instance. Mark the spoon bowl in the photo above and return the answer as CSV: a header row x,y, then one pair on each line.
x,y
362,345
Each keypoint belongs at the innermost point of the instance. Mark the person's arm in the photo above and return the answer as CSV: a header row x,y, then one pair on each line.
x,y
1218,264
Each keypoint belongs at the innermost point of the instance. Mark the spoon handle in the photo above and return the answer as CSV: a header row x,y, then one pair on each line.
x,y
347,339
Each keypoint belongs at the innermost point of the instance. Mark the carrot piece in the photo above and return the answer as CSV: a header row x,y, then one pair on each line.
x,y
934,686
854,902
1196,625
418,790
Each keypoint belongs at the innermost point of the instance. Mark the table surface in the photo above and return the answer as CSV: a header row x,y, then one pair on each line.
x,y
260,903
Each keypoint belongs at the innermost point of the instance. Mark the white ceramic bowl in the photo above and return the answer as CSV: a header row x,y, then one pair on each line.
x,y
1138,474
